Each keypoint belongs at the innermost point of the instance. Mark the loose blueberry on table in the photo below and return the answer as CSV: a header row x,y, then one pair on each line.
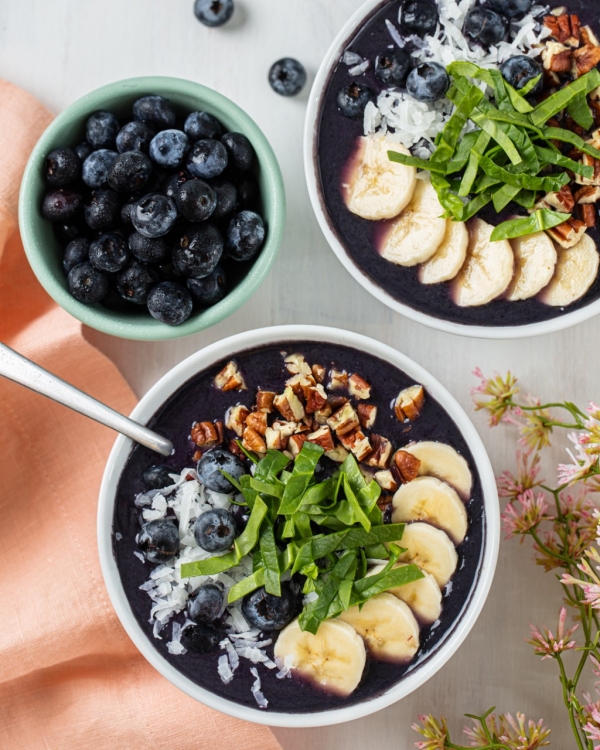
x,y
145,207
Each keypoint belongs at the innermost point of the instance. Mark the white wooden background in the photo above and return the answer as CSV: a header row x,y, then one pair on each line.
x,y
61,49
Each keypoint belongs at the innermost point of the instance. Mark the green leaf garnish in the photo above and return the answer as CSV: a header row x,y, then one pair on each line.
x,y
541,219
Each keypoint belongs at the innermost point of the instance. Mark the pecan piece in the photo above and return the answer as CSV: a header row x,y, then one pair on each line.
x,y
316,398
322,437
264,401
588,194
367,414
322,414
319,372
235,418
356,442
358,387
338,454
297,365
407,466
257,420
344,420
562,200
295,444
384,502
336,402
409,403
382,452
338,380
557,58
386,480
252,441
589,161
588,214
585,59
568,233
235,449
289,405
205,434
588,36
300,384
230,378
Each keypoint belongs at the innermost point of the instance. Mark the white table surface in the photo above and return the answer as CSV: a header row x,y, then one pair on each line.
x,y
61,49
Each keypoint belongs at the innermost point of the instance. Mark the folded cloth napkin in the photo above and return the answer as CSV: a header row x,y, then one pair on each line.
x,y
69,675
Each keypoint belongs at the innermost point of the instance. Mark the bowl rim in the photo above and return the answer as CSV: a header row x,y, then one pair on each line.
x,y
228,347
150,329
311,170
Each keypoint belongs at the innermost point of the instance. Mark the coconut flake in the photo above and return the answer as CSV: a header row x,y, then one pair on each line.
x,y
140,556
394,33
361,69
256,692
351,58
224,669
175,646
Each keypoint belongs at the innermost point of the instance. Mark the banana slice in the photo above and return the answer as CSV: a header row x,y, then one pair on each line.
x,y
378,188
440,460
430,549
418,231
424,596
388,627
576,271
449,257
333,659
488,269
535,260
435,502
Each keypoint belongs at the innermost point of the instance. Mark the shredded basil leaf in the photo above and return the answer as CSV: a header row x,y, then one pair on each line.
x,y
541,219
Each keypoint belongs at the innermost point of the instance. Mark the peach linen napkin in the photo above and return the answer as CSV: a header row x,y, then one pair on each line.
x,y
69,675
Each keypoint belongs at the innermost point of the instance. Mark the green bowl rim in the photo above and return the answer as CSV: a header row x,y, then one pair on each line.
x,y
153,330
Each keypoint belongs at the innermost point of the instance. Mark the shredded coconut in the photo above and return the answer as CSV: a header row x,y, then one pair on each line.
x,y
361,69
260,698
351,58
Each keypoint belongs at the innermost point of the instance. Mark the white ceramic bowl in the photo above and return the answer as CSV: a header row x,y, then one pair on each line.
x,y
179,375
339,44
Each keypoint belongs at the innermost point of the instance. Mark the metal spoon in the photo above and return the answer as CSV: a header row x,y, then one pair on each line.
x,y
25,372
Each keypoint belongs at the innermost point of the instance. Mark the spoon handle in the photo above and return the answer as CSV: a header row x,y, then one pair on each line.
x,y
21,370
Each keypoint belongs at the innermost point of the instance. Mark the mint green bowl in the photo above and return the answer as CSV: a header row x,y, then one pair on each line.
x,y
45,253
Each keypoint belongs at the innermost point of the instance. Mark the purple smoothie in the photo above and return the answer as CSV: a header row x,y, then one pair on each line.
x,y
335,145
264,367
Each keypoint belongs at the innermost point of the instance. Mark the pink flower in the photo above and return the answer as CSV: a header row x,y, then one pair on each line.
x,y
500,392
524,514
591,586
517,735
434,731
526,477
546,645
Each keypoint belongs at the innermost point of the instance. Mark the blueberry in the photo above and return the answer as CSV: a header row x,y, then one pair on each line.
x,y
207,603
170,303
245,235
87,284
519,70
213,13
154,111
153,215
83,150
428,82
126,211
485,26
96,167
103,209
135,282
196,200
130,172
101,129
214,530
157,476
200,125
172,184
240,151
62,204
209,470
207,158
268,612
353,98
511,8
168,148
209,290
200,249
392,67
148,249
76,252
62,167
158,540
287,77
135,136
200,638
419,17
227,196
109,252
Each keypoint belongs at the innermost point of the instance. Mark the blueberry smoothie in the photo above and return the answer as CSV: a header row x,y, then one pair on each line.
x,y
398,79
230,569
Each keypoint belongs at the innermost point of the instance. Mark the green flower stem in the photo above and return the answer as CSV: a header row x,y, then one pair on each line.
x,y
567,701
547,550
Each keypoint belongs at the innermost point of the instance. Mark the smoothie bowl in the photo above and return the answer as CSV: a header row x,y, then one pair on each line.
x,y
451,154
322,538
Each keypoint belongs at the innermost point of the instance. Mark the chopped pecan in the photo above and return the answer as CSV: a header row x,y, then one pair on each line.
x,y
321,415
564,27
235,449
594,139
588,214
235,418
220,431
316,399
338,454
252,441
384,502
300,384
589,161
409,403
289,405
322,437
264,401
407,466
344,420
382,452
257,420
562,200
356,442
197,455
230,378
295,444
205,434
296,364
273,439
569,233
587,194
588,36
338,380
585,59
358,387
367,414
386,480
557,58
336,402
319,372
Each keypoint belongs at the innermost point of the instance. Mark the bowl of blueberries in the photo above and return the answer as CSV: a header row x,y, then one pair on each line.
x,y
152,208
